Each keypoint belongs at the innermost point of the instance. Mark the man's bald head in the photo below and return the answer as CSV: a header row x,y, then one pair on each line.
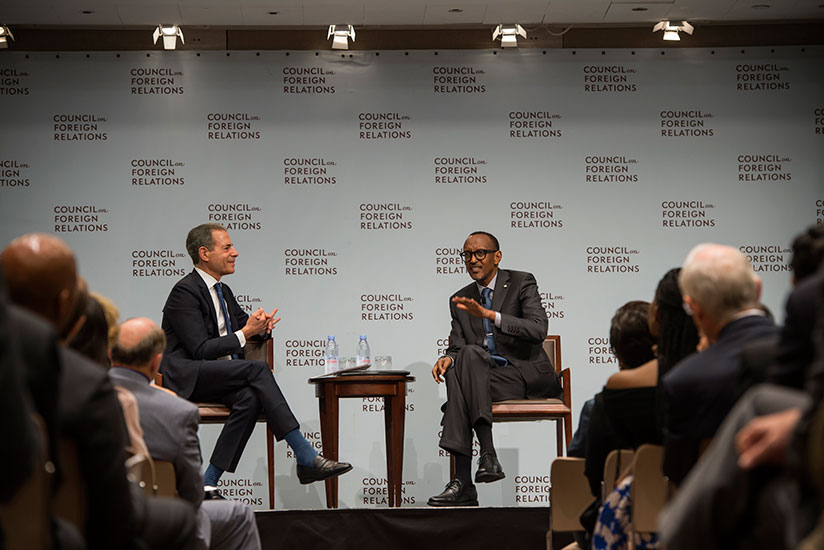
x,y
41,275
139,345
721,280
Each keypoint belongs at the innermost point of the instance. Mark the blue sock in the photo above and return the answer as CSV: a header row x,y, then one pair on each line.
x,y
212,475
304,453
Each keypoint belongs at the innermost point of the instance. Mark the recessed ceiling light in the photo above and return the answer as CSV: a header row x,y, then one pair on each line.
x,y
761,6
456,10
273,12
639,9
87,12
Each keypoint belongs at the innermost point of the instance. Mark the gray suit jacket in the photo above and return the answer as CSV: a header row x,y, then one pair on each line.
x,y
169,428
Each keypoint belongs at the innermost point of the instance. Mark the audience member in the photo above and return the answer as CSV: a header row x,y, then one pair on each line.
x,y
42,277
722,293
748,489
624,418
170,428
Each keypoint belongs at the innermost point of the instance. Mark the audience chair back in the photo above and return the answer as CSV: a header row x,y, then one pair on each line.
x,y
165,479
617,462
26,517
650,488
526,410
140,469
569,494
217,413
70,501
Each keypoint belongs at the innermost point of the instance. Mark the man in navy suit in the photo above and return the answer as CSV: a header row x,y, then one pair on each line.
x,y
206,331
722,293
495,353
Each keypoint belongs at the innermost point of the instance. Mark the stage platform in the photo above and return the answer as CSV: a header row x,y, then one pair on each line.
x,y
414,528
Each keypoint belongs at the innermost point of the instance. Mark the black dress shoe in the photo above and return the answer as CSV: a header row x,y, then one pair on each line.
x,y
321,468
489,469
456,494
213,494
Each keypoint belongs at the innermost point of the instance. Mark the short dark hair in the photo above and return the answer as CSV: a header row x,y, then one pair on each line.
x,y
201,236
808,252
491,237
92,340
142,353
629,335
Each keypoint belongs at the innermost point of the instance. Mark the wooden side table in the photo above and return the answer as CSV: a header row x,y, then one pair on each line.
x,y
392,387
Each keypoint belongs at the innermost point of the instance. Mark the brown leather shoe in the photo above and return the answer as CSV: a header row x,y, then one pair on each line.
x,y
321,468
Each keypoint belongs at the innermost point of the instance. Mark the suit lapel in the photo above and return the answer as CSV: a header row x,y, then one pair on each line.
x,y
501,290
207,297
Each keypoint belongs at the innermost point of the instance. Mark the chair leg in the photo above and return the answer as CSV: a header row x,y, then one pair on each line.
x,y
270,455
568,429
559,442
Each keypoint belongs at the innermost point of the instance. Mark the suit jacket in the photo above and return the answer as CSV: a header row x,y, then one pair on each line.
x,y
169,429
190,324
90,416
523,329
701,390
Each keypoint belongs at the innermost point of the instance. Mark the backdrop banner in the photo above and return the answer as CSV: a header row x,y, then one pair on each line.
x,y
349,181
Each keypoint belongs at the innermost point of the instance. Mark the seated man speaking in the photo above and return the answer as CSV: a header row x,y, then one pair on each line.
x,y
495,353
206,331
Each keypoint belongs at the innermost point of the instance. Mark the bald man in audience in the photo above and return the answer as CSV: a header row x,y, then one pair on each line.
x,y
722,293
170,430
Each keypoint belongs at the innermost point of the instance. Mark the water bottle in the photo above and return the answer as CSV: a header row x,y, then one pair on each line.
x,y
362,357
331,356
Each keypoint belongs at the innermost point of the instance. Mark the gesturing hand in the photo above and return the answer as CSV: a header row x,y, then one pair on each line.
x,y
473,308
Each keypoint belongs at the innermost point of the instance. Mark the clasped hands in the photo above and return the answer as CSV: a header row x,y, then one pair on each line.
x,y
475,309
260,321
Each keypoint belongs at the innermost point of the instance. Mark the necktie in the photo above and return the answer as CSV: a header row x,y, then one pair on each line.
x,y
219,289
486,294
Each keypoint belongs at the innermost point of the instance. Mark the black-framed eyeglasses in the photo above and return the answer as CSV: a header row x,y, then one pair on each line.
x,y
480,254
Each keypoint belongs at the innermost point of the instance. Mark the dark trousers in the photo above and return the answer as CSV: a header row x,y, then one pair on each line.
x,y
245,387
472,384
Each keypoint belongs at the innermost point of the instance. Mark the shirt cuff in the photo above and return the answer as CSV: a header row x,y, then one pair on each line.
x,y
241,338
498,319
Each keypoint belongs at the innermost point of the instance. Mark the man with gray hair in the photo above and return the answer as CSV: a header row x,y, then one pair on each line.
x,y
170,430
722,293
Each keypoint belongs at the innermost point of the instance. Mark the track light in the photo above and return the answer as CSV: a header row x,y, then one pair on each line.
x,y
340,35
5,35
508,35
170,34
671,30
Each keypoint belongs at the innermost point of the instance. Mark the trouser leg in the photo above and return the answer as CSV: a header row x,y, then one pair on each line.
x,y
245,409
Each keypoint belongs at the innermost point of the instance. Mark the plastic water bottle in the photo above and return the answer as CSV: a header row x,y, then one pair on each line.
x,y
331,356
362,358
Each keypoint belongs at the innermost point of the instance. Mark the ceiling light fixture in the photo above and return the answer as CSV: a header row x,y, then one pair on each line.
x,y
341,34
671,30
170,34
508,35
5,35
456,10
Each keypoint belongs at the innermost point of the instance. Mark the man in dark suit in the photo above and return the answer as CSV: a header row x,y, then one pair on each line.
x,y
495,353
206,331
170,431
722,292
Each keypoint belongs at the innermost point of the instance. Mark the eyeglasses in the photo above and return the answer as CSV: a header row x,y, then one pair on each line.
x,y
480,254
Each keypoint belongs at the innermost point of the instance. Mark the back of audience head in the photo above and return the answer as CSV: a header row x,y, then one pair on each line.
x,y
41,275
808,253
112,316
677,335
92,337
139,345
717,282
629,335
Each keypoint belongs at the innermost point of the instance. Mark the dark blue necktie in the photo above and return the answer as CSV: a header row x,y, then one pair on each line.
x,y
219,289
486,294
